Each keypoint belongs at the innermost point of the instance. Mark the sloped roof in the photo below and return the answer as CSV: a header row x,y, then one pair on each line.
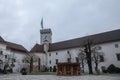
x,y
37,48
13,46
78,42
1,39
16,47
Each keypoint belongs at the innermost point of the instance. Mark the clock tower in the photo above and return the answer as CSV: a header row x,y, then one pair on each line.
x,y
45,36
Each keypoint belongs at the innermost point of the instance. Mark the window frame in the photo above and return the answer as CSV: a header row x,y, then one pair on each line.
x,y
102,59
1,52
56,61
49,61
118,56
49,54
116,45
56,53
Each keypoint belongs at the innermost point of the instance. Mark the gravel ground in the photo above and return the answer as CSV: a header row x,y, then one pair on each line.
x,y
54,77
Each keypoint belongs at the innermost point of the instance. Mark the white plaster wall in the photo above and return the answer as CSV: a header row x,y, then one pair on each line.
x,y
42,57
19,56
49,37
2,46
108,49
5,52
110,54
62,56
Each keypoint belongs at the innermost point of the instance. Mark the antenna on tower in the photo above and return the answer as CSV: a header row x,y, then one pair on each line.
x,y
42,23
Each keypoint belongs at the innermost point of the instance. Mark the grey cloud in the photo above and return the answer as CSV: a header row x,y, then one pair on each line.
x,y
20,19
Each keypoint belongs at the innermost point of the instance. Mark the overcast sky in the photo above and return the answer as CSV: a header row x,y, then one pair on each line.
x,y
68,19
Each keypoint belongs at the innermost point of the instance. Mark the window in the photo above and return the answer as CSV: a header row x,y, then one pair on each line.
x,y
6,56
77,59
99,48
49,54
1,62
68,52
69,60
116,45
56,61
56,53
103,68
50,62
14,60
118,56
23,61
1,52
101,58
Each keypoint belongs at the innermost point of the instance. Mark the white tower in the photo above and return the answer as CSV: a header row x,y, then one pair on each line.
x,y
46,36
46,39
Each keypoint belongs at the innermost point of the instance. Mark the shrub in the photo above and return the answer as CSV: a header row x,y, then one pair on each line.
x,y
12,65
117,70
54,69
113,69
23,71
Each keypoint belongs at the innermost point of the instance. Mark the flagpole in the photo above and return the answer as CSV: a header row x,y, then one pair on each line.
x,y
42,23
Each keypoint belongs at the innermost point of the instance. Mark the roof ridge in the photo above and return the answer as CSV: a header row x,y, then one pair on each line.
x,y
88,36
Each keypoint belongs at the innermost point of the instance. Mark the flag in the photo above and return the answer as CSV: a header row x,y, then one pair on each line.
x,y
42,23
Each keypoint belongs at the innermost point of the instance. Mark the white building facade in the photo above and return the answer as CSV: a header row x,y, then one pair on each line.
x,y
52,53
12,55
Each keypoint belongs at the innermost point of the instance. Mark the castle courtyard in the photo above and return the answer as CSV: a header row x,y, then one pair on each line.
x,y
54,77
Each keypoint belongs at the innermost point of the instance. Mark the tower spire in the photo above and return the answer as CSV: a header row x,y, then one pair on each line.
x,y
42,23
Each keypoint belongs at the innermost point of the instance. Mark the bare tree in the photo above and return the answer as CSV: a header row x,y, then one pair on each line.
x,y
30,58
96,56
87,49
82,57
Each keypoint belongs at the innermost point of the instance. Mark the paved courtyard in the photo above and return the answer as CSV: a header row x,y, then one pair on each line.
x,y
54,77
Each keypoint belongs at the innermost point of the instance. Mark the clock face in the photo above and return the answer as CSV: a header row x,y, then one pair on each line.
x,y
45,38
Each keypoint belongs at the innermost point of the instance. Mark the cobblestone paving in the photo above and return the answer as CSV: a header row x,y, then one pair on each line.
x,y
54,77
